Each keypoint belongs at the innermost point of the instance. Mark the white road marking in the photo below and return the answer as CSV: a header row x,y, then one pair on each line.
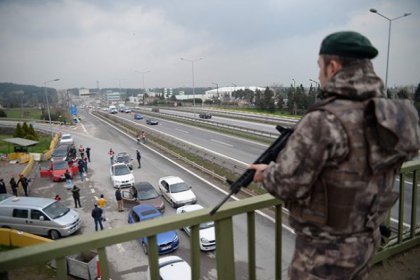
x,y
84,128
96,198
184,131
407,182
120,248
404,223
92,190
220,142
196,175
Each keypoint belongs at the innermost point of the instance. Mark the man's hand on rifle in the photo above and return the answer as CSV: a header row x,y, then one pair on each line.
x,y
259,170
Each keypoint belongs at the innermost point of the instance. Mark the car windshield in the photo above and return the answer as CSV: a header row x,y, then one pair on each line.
x,y
148,193
60,153
124,158
146,213
56,210
207,225
60,165
179,187
66,137
120,170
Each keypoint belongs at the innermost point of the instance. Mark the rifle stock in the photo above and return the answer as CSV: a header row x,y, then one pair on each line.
x,y
266,157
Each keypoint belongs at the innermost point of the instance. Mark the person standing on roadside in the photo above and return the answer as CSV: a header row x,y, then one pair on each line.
x,y
111,155
138,155
119,199
76,196
82,151
14,186
102,204
81,166
24,182
2,186
85,161
143,137
67,176
97,217
88,153
57,197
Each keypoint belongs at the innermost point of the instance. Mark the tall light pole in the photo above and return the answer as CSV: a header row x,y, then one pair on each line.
x,y
144,89
294,83
48,104
192,70
318,84
217,86
389,42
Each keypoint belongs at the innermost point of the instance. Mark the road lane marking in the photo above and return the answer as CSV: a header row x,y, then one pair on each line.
x,y
92,190
184,131
120,248
220,142
84,128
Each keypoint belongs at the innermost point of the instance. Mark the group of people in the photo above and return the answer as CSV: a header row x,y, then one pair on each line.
x,y
23,181
83,152
141,136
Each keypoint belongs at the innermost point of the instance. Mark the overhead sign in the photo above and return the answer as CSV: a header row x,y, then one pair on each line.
x,y
73,110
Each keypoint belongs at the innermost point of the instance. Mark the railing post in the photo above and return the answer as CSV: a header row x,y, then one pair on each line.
x,y
401,209
251,246
225,257
414,205
278,241
153,257
195,252
103,263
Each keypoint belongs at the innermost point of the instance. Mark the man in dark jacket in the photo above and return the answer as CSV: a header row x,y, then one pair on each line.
x,y
2,186
88,153
14,186
335,173
81,166
24,182
76,196
138,155
97,217
119,199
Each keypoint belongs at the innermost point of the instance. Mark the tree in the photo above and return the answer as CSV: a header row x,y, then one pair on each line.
x,y
402,93
32,133
268,101
258,99
3,114
19,131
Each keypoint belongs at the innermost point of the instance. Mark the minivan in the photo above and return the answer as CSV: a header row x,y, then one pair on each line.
x,y
37,215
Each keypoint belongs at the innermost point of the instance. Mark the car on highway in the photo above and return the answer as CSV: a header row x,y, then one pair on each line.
x,y
176,191
61,152
204,115
127,110
121,175
138,116
206,231
66,138
124,157
172,268
167,241
144,193
57,169
152,121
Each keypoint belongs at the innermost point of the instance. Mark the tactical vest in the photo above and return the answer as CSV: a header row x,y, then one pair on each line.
x,y
349,196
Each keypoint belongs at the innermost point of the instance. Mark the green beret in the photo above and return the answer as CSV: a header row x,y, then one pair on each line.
x,y
348,44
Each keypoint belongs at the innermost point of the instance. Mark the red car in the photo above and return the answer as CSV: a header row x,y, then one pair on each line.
x,y
57,170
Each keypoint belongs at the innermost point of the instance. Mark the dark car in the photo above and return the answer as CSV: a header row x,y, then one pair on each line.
x,y
152,121
144,193
167,241
138,116
124,158
205,115
61,152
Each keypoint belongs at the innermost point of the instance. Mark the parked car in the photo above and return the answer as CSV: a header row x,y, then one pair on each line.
x,y
57,169
121,176
152,121
156,110
124,158
127,110
205,115
207,233
138,116
61,152
176,191
66,139
173,268
144,193
167,241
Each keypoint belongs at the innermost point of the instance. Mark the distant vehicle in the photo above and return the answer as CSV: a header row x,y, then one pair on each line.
x,y
144,193
127,110
121,176
156,110
124,158
66,139
205,115
167,241
176,191
206,232
152,122
61,152
138,116
173,268
112,109
121,107
57,170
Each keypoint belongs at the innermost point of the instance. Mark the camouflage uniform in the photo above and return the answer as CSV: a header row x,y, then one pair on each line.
x,y
332,178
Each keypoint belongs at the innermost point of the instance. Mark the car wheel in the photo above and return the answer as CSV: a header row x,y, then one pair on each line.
x,y
144,247
172,203
54,235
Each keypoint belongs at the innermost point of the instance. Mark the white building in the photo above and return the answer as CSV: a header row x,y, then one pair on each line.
x,y
226,92
84,92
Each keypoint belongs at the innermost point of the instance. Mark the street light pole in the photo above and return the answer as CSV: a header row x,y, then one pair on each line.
x,y
217,86
144,89
315,82
389,42
48,104
192,70
294,83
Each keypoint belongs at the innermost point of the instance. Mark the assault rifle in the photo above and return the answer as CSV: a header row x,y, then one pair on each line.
x,y
269,155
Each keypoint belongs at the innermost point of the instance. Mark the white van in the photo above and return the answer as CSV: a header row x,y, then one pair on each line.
x,y
113,109
37,215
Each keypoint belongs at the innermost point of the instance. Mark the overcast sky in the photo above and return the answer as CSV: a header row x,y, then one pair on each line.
x,y
242,42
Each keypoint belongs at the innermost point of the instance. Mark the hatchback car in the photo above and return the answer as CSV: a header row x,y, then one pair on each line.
x,y
121,176
138,116
176,191
152,122
124,158
57,170
66,139
205,115
167,241
207,233
173,268
144,193
61,152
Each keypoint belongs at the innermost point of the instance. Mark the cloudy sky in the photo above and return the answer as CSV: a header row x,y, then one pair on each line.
x,y
242,42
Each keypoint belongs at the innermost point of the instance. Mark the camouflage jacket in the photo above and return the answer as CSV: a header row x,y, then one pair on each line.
x,y
311,173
